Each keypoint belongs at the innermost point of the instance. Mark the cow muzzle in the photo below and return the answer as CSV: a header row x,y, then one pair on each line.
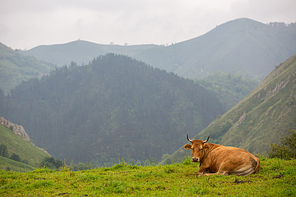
x,y
194,159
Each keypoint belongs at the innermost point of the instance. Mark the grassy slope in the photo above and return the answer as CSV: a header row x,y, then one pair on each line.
x,y
16,144
15,68
269,115
14,165
266,119
169,180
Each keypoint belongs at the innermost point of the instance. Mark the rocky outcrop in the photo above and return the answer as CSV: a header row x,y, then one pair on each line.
x,y
19,130
282,84
241,120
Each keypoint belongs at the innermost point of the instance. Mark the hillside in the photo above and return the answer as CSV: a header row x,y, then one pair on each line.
x,y
242,46
19,144
15,68
113,108
261,118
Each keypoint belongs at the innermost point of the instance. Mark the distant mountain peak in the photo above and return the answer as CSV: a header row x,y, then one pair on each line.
x,y
241,46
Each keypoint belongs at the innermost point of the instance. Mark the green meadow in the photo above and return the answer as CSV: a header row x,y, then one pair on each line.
x,y
275,178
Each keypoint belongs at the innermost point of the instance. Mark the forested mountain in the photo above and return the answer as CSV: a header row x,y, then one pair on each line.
x,y
261,118
229,88
113,108
242,46
15,68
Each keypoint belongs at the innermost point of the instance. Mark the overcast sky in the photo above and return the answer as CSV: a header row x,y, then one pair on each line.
x,y
25,24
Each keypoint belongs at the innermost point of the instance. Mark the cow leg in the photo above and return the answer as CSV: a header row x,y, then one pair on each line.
x,y
209,174
216,173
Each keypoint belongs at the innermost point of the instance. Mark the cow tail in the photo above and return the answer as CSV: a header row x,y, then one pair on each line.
x,y
258,165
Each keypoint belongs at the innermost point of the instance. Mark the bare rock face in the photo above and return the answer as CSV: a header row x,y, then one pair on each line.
x,y
17,129
241,120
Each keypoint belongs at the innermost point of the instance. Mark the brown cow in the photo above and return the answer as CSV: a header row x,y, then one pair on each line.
x,y
217,159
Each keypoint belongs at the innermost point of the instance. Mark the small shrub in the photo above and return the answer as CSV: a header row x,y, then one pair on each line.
x,y
286,150
15,157
50,162
3,151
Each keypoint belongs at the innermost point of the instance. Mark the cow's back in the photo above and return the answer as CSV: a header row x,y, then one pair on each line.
x,y
232,160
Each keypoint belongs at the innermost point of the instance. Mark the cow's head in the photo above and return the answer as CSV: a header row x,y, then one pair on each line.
x,y
197,147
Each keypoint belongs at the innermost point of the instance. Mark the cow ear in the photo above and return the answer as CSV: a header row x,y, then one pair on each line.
x,y
187,146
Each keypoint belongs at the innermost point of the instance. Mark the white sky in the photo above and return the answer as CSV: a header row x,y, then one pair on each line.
x,y
25,24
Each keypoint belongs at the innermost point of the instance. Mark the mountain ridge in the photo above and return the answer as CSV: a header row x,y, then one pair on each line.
x,y
242,46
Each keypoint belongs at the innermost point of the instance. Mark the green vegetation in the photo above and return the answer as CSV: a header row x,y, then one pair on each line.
x,y
11,165
16,153
3,150
15,68
259,119
52,163
230,88
15,157
113,108
275,178
287,148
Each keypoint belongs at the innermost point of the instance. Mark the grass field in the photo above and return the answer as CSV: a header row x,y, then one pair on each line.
x,y
275,178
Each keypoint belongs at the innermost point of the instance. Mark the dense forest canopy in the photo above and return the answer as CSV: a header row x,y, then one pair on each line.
x,y
113,108
230,88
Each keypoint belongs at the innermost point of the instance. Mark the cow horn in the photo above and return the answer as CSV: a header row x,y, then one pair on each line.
x,y
189,139
206,139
